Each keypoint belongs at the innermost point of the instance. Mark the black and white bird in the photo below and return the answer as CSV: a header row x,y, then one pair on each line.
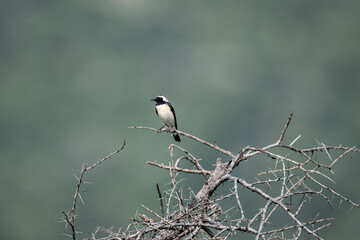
x,y
166,112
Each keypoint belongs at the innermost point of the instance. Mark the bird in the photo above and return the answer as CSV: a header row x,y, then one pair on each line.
x,y
166,112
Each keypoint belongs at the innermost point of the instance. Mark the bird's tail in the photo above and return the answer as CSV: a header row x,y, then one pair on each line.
x,y
176,137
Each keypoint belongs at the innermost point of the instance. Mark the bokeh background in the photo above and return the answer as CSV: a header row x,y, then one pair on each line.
x,y
75,74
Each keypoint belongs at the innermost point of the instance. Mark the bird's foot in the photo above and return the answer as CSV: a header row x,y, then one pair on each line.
x,y
159,130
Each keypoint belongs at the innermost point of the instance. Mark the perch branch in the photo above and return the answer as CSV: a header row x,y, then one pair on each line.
x,y
165,129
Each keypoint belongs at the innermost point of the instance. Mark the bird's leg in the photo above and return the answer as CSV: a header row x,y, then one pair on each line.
x,y
159,130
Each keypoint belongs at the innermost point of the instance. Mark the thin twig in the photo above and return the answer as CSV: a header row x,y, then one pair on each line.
x,y
285,128
160,199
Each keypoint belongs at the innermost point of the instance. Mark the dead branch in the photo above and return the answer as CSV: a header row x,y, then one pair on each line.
x,y
285,189
71,217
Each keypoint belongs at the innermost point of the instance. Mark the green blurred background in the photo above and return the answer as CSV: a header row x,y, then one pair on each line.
x,y
75,74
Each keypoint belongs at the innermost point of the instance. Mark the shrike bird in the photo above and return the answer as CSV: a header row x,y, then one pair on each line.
x,y
166,112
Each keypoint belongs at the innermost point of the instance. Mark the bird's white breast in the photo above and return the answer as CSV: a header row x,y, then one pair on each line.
x,y
165,114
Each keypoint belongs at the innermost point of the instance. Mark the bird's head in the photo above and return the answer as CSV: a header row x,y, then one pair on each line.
x,y
160,99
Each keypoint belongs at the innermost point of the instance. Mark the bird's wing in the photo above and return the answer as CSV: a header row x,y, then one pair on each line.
x,y
173,112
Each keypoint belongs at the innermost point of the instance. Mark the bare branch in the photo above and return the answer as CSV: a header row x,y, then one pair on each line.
x,y
213,146
70,218
179,169
285,128
286,187
160,199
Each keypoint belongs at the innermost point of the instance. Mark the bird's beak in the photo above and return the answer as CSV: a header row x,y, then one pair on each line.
x,y
152,99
